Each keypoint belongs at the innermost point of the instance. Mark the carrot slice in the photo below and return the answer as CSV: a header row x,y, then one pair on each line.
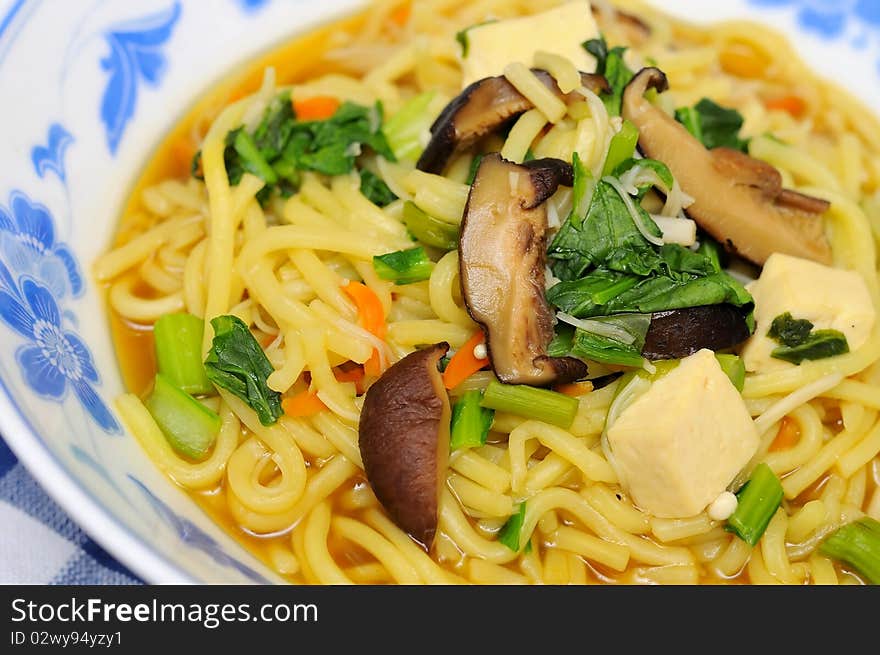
x,y
794,105
575,389
789,434
463,363
303,404
371,317
353,373
317,108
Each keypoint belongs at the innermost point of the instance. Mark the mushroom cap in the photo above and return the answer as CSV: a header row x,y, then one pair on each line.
x,y
482,108
678,333
403,436
737,199
502,259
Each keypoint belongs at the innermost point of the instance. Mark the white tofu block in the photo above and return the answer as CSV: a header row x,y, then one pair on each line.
x,y
830,298
560,31
683,441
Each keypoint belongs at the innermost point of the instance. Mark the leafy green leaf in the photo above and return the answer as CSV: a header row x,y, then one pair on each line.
x,y
615,339
800,342
610,64
509,533
375,189
281,146
607,237
713,125
238,364
662,170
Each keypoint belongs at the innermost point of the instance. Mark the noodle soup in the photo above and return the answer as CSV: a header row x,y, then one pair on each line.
x,y
366,374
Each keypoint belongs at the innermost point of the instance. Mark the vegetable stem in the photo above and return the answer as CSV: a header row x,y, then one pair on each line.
x,y
621,148
429,230
178,340
187,424
531,402
509,533
404,266
857,544
470,422
758,501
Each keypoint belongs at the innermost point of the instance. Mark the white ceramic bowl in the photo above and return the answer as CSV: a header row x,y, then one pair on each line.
x,y
89,87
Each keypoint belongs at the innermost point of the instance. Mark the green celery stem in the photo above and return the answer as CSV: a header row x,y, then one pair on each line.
x,y
531,402
757,502
470,422
178,341
857,544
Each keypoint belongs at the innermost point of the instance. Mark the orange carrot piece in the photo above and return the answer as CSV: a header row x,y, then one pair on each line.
x,y
353,374
318,108
794,105
371,316
574,389
303,404
789,434
463,364
401,15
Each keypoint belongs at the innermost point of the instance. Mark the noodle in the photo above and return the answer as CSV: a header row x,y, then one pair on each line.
x,y
295,492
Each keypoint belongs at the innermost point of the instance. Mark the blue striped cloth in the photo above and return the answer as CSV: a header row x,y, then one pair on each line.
x,y
39,543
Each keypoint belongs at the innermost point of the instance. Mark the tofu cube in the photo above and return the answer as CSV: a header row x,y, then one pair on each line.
x,y
679,445
560,31
830,298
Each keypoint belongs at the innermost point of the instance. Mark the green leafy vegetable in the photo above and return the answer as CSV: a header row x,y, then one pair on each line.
x,y
189,426
429,230
610,64
713,125
404,266
621,148
690,118
178,342
757,502
470,422
509,533
607,236
404,131
790,331
617,339
858,545
713,251
375,189
800,342
238,364
281,147
658,167
733,368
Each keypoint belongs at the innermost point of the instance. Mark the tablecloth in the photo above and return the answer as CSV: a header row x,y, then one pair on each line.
x,y
39,543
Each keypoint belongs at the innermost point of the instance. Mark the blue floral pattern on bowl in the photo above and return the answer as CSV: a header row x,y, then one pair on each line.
x,y
53,359
135,56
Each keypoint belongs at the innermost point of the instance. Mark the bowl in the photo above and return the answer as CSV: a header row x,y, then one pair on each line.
x,y
91,89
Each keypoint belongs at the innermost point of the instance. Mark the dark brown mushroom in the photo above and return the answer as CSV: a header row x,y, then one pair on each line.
x,y
502,256
737,199
403,437
481,108
681,332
